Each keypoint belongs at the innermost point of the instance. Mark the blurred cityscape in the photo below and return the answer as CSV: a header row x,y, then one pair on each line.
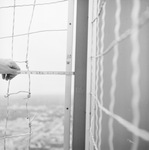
x,y
47,127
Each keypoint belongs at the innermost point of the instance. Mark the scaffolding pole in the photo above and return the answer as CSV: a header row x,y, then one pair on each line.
x,y
68,81
79,106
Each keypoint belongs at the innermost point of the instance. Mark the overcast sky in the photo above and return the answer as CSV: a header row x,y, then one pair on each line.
x,y
47,50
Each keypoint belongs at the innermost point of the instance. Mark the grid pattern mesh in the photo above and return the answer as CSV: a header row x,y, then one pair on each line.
x,y
30,118
97,78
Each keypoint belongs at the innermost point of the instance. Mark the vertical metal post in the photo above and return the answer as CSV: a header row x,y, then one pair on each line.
x,y
68,77
89,77
79,109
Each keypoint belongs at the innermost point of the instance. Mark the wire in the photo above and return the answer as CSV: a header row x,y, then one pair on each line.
x,y
99,10
143,20
114,73
97,69
135,78
92,135
35,32
91,142
15,93
28,5
14,136
8,87
29,77
129,126
101,84
13,28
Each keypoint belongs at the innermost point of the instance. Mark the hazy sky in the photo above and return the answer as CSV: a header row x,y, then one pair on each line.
x,y
47,50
